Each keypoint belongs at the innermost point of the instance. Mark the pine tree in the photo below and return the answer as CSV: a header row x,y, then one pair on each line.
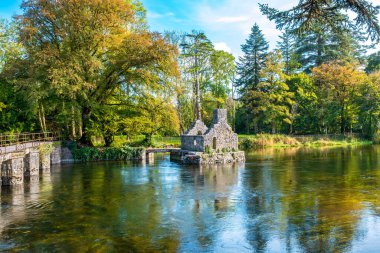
x,y
321,45
248,69
310,13
273,95
255,51
287,48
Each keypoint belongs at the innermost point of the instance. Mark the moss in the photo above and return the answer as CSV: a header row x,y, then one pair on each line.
x,y
46,149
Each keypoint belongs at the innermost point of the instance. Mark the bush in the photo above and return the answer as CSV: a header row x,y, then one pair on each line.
x,y
87,154
376,137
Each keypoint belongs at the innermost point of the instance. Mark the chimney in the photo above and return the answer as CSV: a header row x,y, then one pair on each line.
x,y
220,116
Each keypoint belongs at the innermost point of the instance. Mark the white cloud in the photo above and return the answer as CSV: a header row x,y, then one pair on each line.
x,y
222,23
155,15
222,46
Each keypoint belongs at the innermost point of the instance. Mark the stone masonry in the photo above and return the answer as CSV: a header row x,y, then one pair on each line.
x,y
217,144
219,137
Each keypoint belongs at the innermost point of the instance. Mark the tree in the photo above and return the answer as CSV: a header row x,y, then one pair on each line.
x,y
85,51
287,46
223,72
197,48
273,97
373,64
310,13
153,115
250,64
369,104
341,82
306,109
321,44
248,69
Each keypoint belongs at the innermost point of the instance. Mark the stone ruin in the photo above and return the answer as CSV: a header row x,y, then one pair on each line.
x,y
219,137
217,144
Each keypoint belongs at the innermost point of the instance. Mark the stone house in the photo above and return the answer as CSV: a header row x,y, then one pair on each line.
x,y
218,138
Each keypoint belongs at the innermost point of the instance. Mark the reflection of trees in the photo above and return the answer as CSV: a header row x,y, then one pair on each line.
x,y
94,209
315,196
210,188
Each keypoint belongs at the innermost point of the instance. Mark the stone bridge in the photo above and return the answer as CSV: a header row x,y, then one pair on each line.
x,y
25,156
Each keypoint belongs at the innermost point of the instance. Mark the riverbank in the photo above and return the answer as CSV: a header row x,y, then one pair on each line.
x,y
253,141
277,140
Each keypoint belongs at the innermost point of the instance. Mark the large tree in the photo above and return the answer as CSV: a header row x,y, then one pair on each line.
x,y
272,98
85,51
197,49
309,13
287,45
341,82
373,64
250,64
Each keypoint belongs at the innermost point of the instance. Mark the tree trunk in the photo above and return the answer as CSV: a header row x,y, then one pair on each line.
x,y
197,90
73,128
108,139
86,114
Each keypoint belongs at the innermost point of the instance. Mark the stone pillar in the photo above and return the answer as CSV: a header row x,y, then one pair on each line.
x,y
12,171
56,155
1,166
45,163
32,163
150,158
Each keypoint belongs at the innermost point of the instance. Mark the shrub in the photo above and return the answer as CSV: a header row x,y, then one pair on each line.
x,y
87,154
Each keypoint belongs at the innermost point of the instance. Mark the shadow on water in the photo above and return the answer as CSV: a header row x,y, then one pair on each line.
x,y
281,200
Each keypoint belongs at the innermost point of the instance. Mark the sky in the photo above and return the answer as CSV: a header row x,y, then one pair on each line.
x,y
227,23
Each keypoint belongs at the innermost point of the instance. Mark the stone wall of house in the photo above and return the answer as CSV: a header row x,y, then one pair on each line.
x,y
192,143
223,140
197,128
220,135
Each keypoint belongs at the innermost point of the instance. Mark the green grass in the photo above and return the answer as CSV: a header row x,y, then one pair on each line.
x,y
138,141
277,140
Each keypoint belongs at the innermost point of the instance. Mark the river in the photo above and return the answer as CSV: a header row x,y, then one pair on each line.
x,y
281,200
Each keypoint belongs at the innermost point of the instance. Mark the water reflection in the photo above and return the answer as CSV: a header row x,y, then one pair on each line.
x,y
282,200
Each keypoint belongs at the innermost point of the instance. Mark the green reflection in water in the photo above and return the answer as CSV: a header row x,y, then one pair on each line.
x,y
281,200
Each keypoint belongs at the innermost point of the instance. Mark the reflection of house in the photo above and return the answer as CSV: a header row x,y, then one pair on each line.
x,y
218,138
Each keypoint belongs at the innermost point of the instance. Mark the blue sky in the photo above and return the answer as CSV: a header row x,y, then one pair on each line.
x,y
226,22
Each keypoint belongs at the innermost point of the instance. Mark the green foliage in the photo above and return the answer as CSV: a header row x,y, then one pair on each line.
x,y
250,64
373,64
208,150
46,149
124,153
308,14
275,140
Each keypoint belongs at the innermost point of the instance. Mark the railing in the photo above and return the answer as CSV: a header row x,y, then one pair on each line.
x,y
21,138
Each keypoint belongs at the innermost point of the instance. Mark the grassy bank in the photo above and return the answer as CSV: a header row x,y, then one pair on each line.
x,y
139,141
276,140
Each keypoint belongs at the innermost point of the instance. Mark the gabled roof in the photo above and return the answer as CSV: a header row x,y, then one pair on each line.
x,y
197,127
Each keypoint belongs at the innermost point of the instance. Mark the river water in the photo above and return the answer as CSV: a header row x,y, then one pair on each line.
x,y
281,200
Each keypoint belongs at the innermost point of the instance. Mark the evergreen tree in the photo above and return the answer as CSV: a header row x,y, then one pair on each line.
x,y
310,13
273,95
287,48
249,66
373,63
248,69
321,44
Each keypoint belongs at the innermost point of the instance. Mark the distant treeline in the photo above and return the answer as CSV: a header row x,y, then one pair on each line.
x,y
92,68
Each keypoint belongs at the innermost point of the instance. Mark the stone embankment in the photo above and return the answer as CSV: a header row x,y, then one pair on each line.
x,y
190,157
